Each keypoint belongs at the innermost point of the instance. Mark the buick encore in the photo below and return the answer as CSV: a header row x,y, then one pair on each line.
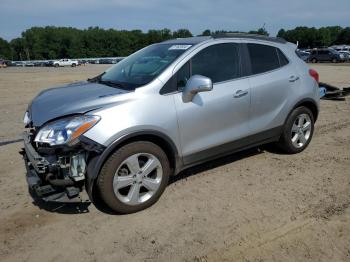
x,y
169,106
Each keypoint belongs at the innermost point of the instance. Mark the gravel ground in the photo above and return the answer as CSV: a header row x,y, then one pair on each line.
x,y
257,205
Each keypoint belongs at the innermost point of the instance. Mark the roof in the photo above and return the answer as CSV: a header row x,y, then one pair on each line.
x,y
198,39
188,40
251,36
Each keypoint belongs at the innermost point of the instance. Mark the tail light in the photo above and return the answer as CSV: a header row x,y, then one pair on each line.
x,y
313,73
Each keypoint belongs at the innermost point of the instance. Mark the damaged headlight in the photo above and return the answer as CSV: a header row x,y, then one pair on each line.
x,y
65,130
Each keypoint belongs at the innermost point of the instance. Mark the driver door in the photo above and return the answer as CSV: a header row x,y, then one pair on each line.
x,y
210,123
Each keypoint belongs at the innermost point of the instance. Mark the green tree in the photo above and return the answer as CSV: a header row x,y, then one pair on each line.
x,y
182,33
206,32
5,49
344,37
260,31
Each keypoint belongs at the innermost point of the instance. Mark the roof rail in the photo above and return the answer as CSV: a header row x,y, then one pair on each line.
x,y
250,36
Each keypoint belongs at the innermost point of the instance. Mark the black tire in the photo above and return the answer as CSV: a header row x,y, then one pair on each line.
x,y
334,60
107,173
56,65
314,60
285,142
74,65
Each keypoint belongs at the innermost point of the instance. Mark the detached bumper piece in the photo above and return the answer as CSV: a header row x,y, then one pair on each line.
x,y
51,178
329,92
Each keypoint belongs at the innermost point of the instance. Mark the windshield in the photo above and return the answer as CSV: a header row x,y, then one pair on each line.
x,y
142,67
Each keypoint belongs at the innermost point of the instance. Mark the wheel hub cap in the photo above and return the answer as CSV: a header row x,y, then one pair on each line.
x,y
137,178
301,130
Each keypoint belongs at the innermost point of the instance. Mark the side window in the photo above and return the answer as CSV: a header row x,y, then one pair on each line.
x,y
178,81
218,62
263,58
182,76
283,59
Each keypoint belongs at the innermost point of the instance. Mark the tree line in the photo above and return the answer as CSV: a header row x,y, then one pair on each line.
x,y
66,42
310,37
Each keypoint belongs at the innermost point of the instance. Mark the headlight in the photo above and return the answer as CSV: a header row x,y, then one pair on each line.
x,y
65,130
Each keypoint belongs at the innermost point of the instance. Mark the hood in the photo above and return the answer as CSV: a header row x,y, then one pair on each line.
x,y
76,98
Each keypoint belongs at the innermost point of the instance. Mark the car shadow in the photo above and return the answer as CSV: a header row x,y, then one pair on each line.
x,y
78,207
216,163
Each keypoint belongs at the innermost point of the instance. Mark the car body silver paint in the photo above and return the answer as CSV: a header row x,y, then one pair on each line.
x,y
76,98
211,118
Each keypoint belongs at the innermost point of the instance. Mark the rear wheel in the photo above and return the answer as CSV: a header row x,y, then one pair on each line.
x,y
56,65
298,131
334,60
134,177
314,60
74,65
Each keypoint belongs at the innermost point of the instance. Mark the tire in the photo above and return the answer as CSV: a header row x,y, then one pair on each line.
x,y
334,60
74,65
56,65
314,60
292,141
117,181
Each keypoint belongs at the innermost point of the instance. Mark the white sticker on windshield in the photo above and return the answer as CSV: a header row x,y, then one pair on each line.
x,y
179,47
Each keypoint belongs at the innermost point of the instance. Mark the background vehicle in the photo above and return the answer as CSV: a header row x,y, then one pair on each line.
x,y
326,55
346,55
302,54
65,62
3,63
163,109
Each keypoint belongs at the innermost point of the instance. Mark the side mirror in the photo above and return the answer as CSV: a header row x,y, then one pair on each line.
x,y
194,85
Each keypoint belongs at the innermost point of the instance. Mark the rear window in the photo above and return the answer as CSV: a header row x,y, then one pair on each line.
x,y
263,58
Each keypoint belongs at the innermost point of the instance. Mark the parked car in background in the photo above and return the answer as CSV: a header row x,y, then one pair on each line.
x,y
107,61
49,63
302,54
3,63
346,55
341,47
65,62
29,63
326,55
167,107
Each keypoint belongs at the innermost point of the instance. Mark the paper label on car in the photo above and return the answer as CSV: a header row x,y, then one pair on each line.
x,y
179,47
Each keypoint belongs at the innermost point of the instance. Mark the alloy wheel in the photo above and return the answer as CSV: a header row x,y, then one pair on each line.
x,y
301,130
137,178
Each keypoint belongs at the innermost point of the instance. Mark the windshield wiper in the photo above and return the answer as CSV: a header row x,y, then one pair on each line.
x,y
96,78
111,83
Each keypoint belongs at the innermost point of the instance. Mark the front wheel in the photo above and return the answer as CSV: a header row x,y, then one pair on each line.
x,y
134,177
298,131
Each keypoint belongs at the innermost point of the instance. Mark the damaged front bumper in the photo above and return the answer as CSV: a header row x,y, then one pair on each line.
x,y
54,176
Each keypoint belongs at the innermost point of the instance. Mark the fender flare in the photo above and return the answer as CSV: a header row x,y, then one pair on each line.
x,y
307,100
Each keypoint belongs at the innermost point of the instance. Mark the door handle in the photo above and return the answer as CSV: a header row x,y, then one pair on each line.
x,y
293,78
240,93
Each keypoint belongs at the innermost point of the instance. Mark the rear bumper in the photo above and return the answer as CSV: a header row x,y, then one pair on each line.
x,y
38,168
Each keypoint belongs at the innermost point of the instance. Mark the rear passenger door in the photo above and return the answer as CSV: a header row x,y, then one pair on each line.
x,y
272,79
217,117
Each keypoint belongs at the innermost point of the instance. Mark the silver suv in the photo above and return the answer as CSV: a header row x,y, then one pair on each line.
x,y
167,107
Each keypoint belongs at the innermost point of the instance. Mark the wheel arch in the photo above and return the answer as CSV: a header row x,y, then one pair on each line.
x,y
310,104
158,138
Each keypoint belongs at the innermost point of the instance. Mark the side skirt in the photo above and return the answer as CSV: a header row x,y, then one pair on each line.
x,y
268,136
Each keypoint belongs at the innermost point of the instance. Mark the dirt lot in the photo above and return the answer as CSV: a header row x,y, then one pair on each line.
x,y
258,205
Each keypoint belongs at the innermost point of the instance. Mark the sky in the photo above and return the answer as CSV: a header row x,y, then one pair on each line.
x,y
196,15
